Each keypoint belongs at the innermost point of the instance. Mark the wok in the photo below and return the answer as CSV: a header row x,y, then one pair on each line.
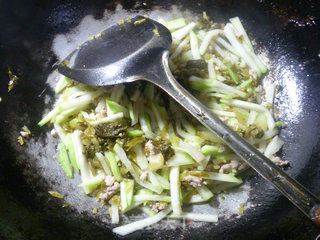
x,y
288,31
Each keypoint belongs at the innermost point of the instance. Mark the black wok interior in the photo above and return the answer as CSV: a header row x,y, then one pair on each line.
x,y
288,30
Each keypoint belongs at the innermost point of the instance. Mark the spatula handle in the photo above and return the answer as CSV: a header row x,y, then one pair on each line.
x,y
302,198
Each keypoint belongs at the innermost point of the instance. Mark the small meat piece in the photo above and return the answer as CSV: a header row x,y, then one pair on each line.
x,y
53,132
283,164
103,112
144,176
194,181
259,89
150,148
233,166
112,188
222,148
24,134
158,206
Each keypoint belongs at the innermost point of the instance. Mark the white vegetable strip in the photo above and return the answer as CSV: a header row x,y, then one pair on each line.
x,y
81,159
178,50
270,92
153,197
179,159
144,126
196,217
117,92
194,46
164,182
205,193
141,158
232,90
221,177
240,29
111,118
123,158
252,117
195,153
154,180
175,190
175,24
211,71
228,30
228,46
132,227
270,120
207,39
134,114
81,101
182,32
267,135
223,113
103,162
61,134
246,105
273,147
114,214
196,198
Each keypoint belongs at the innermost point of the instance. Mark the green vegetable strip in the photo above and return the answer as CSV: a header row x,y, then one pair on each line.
x,y
239,27
48,117
134,133
103,163
91,184
233,75
279,123
113,165
210,150
148,211
86,173
221,177
116,108
175,24
205,193
126,193
140,157
147,197
64,160
71,153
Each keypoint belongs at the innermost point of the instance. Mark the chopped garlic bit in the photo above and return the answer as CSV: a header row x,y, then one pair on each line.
x,y
53,132
241,209
20,140
13,80
95,211
55,194
25,132
156,32
139,21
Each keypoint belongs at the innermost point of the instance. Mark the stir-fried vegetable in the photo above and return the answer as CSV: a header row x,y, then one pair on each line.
x,y
136,149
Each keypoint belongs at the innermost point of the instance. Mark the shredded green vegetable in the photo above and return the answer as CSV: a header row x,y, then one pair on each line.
x,y
136,148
